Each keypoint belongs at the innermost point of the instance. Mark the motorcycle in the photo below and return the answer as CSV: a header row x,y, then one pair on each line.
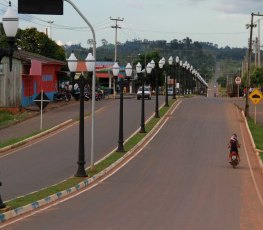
x,y
76,95
61,96
234,159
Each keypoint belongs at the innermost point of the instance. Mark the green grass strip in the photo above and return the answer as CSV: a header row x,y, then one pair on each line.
x,y
257,133
73,181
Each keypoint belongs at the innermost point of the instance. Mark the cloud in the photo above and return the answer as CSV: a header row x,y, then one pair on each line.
x,y
59,42
239,6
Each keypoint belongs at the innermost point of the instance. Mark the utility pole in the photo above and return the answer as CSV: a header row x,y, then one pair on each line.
x,y
116,27
259,64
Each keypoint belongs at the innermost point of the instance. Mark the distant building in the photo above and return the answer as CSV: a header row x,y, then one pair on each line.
x,y
30,74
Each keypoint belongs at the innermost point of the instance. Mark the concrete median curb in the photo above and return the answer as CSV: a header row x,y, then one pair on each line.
x,y
63,194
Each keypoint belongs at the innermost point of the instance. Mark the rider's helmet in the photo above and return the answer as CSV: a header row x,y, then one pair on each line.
x,y
234,137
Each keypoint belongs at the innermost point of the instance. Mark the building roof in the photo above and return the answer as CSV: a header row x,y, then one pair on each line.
x,y
28,56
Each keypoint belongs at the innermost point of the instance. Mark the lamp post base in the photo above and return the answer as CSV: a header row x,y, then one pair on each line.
x,y
142,129
81,170
120,148
2,205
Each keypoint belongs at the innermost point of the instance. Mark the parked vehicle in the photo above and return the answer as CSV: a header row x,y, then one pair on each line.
x,y
147,92
170,91
61,96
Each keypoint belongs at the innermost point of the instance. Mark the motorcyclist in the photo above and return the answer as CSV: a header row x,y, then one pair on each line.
x,y
233,146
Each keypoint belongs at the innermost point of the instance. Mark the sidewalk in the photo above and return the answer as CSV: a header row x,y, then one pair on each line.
x,y
53,115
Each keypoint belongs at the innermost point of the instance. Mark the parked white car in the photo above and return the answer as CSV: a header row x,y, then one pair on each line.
x,y
147,92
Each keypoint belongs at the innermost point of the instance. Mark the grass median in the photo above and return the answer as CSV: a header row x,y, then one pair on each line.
x,y
73,181
257,133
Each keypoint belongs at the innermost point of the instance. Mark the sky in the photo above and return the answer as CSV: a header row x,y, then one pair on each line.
x,y
221,22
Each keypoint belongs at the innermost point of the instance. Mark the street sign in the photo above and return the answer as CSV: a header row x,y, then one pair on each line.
x,y
44,99
53,7
238,80
255,96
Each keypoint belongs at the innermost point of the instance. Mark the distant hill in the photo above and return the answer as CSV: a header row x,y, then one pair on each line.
x,y
202,55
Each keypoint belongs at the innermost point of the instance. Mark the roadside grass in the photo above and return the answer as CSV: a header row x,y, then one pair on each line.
x,y
7,118
257,133
16,140
73,181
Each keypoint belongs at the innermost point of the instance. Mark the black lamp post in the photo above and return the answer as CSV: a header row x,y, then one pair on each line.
x,y
147,70
177,67
2,205
170,61
139,70
185,65
155,74
161,64
10,24
81,81
116,70
179,74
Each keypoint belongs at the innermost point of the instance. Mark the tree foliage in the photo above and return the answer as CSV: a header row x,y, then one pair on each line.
x,y
256,79
34,41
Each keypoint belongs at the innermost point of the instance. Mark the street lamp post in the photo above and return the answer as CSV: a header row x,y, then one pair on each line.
x,y
139,70
170,61
179,74
161,64
81,81
116,70
147,70
177,66
156,89
2,205
10,24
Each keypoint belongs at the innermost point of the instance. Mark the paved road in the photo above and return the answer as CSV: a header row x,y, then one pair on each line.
x,y
54,159
181,180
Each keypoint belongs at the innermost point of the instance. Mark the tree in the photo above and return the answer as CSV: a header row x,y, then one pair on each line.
x,y
222,81
257,77
34,41
3,42
104,42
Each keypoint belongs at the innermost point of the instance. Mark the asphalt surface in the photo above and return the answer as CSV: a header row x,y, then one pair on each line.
x,y
54,158
180,180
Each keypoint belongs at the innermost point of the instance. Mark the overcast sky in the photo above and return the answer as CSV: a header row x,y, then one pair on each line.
x,y
220,22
